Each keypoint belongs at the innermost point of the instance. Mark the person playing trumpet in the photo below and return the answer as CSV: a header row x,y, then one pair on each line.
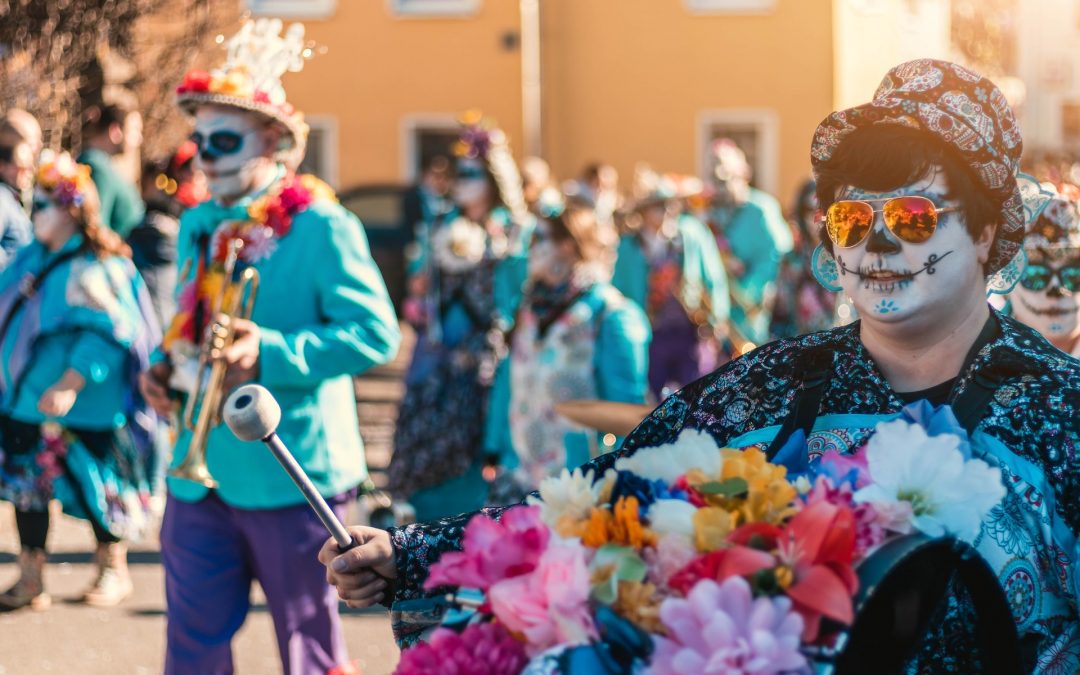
x,y
322,314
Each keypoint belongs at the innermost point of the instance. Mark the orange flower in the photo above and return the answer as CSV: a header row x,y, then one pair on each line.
x,y
767,497
621,525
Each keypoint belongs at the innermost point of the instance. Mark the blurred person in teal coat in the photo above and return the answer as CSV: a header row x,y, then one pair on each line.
x,y
466,277
575,338
753,237
321,316
76,328
670,267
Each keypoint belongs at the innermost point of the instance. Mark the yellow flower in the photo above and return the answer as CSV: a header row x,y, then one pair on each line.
x,y
257,209
213,283
235,82
318,189
595,531
712,525
472,117
639,603
768,494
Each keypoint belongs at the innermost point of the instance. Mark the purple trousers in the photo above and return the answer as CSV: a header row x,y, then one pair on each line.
x,y
212,552
677,357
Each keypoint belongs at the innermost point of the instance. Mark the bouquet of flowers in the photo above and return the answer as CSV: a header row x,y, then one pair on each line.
x,y
459,246
689,558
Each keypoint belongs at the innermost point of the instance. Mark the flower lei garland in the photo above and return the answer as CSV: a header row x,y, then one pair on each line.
x,y
269,218
693,558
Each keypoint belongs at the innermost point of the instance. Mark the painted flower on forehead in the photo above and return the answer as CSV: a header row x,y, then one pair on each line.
x,y
66,181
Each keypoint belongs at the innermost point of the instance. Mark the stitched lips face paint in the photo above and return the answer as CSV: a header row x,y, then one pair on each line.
x,y
890,279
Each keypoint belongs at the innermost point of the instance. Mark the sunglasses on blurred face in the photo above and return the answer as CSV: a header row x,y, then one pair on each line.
x,y
1037,277
912,219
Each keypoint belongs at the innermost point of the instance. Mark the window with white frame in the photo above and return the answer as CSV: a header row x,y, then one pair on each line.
x,y
434,7
730,6
754,130
321,157
293,9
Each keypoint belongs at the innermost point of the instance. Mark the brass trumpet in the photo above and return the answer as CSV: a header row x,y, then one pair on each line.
x,y
202,411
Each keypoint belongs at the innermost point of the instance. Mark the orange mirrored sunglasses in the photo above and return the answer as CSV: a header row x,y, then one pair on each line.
x,y
913,219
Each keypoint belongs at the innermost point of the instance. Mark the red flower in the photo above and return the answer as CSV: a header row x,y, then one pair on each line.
x,y
719,565
196,81
692,495
818,544
261,96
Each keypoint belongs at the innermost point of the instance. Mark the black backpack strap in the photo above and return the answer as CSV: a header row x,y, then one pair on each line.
x,y
32,284
813,372
971,404
995,628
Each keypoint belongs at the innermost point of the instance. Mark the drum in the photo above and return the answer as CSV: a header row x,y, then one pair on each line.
x,y
902,588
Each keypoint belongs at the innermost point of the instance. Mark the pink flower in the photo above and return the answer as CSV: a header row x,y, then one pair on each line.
x,y
481,649
869,523
721,628
549,606
672,553
493,550
845,468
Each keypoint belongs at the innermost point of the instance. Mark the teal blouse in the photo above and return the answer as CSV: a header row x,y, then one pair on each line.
x,y
72,331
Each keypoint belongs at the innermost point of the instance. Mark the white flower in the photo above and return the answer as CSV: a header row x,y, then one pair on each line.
x,y
568,494
672,516
947,494
459,246
693,449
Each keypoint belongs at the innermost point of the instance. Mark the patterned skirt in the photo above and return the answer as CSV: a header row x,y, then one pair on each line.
x,y
96,475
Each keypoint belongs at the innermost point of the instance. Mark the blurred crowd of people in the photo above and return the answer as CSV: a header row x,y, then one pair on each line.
x,y
525,293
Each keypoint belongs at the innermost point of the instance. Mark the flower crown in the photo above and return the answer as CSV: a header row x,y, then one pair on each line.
x,y
66,181
479,139
250,77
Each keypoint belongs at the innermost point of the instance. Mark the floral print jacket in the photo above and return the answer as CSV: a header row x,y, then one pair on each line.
x,y
1031,428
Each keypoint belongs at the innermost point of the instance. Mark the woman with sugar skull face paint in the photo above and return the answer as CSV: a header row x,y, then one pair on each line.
x,y
466,274
321,316
1048,295
925,208
575,337
76,326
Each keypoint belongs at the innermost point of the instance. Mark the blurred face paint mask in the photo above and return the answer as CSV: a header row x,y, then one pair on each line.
x,y
230,150
912,219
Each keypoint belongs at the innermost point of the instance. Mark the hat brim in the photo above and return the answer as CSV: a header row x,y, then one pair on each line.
x,y
296,128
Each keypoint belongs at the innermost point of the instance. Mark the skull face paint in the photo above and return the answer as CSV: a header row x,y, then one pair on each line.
x,y
471,189
1054,310
893,281
232,150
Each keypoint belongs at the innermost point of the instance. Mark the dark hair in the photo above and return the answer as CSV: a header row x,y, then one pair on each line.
x,y
885,157
438,163
577,223
99,118
7,154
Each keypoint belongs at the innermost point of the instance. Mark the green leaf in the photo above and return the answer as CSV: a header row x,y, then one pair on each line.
x,y
732,487
627,564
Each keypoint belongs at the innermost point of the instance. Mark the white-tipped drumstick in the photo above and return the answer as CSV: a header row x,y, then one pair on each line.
x,y
253,415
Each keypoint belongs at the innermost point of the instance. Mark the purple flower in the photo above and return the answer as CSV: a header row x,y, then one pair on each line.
x,y
481,649
721,628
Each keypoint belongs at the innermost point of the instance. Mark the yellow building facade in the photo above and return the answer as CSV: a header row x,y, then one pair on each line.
x,y
621,81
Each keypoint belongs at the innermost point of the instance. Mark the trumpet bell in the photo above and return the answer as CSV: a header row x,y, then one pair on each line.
x,y
194,471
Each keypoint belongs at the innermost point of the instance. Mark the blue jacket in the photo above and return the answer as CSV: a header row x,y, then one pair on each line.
x,y
85,316
703,273
324,316
15,228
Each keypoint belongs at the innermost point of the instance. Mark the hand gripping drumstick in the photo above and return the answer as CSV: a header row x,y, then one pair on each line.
x,y
253,415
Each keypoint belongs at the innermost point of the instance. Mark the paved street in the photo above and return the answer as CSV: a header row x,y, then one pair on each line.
x,y
70,638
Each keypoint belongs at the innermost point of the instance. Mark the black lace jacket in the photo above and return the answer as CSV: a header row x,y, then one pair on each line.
x,y
1036,416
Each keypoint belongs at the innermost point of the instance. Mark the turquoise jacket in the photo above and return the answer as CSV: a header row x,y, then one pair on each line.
x,y
324,316
759,238
619,369
704,278
121,206
85,316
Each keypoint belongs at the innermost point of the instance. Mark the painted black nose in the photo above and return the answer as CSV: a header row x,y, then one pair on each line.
x,y
881,242
1055,291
